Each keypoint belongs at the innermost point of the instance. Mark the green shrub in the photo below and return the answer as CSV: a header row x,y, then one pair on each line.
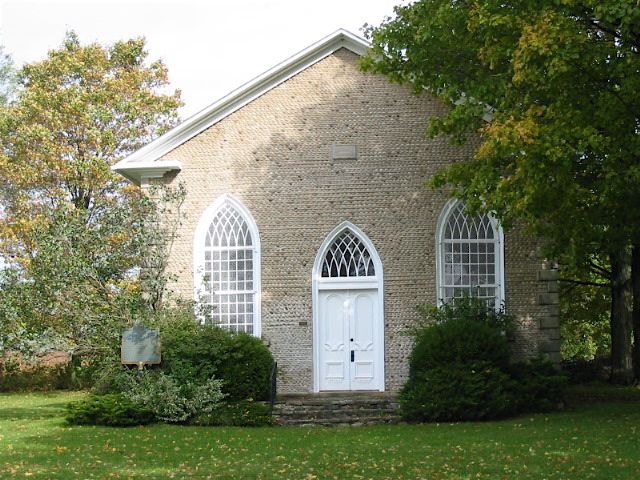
x,y
459,369
579,371
113,410
194,353
201,365
470,308
87,371
16,377
237,414
170,400
458,341
458,392
540,387
111,379
246,367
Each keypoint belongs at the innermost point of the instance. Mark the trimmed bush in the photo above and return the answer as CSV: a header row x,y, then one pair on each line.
x,y
170,400
193,353
17,377
459,369
202,366
458,341
458,392
540,387
197,352
246,368
469,308
113,410
587,371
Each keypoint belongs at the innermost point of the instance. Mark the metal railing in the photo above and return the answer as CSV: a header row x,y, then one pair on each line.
x,y
273,383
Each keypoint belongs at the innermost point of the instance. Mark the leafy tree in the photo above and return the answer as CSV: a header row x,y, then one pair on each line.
x,y
82,287
585,305
73,232
78,112
551,88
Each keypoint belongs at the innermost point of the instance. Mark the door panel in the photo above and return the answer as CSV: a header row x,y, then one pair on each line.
x,y
334,351
349,323
363,321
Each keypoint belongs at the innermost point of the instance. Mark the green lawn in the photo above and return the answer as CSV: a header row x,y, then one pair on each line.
x,y
594,441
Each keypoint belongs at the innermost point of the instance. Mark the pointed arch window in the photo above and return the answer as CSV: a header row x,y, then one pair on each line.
x,y
348,256
470,256
229,275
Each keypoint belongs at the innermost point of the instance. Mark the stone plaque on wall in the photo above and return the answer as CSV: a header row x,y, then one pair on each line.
x,y
344,152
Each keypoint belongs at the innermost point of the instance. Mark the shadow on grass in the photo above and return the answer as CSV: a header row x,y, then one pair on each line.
x,y
599,392
35,406
32,413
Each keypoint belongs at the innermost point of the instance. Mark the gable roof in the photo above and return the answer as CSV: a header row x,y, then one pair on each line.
x,y
144,163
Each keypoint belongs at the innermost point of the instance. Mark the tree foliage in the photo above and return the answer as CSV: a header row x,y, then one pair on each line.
x,y
7,77
74,234
551,89
77,112
585,309
562,146
83,286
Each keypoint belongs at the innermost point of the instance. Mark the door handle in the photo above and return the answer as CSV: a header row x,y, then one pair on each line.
x,y
352,355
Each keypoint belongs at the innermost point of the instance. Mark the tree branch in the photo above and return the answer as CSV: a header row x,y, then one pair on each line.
x,y
600,270
583,282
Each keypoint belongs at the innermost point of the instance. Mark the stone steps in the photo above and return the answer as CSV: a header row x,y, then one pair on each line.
x,y
336,409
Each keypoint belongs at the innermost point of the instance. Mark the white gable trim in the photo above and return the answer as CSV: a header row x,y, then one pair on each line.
x,y
136,165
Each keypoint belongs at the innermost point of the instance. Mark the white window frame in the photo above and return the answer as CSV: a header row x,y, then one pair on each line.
x,y
499,254
199,239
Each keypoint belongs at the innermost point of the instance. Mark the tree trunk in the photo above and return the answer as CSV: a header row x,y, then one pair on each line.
x,y
635,275
621,313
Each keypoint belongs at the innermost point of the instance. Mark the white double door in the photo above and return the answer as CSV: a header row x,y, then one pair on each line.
x,y
350,340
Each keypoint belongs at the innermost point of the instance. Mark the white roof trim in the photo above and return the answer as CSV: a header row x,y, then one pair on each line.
x,y
140,171
134,166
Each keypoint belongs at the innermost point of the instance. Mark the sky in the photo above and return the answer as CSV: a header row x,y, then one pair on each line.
x,y
210,47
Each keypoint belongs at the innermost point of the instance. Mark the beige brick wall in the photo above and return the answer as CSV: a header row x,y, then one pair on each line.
x,y
274,155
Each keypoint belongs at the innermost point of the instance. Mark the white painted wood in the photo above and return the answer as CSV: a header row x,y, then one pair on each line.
x,y
349,322
363,325
354,308
334,341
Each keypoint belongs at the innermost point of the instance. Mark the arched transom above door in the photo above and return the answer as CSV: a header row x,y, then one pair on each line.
x,y
348,256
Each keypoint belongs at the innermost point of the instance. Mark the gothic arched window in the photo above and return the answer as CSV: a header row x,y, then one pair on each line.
x,y
470,256
229,274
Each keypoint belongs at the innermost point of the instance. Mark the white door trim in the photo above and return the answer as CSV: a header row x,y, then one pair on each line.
x,y
352,283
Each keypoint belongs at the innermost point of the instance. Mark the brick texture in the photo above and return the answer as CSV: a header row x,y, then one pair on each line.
x,y
275,155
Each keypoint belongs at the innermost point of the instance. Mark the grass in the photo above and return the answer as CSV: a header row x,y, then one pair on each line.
x,y
596,441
